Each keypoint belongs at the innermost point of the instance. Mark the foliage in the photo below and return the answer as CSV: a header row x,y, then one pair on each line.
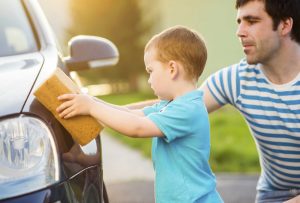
x,y
119,21
232,146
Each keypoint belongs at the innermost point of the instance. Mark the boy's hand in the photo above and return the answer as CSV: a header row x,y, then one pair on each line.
x,y
74,104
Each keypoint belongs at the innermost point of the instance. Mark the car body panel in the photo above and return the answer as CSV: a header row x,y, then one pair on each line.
x,y
17,75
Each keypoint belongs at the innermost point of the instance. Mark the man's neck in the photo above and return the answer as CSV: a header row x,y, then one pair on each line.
x,y
285,66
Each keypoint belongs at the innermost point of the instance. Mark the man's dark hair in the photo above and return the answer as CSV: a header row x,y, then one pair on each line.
x,y
281,10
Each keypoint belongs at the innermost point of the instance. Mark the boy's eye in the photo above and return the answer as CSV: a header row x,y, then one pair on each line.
x,y
149,71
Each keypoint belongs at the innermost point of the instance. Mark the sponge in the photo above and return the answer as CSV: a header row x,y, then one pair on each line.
x,y
82,128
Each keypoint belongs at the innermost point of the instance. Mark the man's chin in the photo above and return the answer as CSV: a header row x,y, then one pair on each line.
x,y
251,61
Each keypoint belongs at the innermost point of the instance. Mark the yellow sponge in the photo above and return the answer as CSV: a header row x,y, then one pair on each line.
x,y
83,129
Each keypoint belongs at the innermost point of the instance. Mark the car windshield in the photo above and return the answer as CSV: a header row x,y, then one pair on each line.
x,y
16,35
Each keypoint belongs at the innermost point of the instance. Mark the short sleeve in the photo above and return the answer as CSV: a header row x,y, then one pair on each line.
x,y
155,107
175,120
224,85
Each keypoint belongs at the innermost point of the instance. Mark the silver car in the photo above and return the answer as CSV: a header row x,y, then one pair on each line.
x,y
39,160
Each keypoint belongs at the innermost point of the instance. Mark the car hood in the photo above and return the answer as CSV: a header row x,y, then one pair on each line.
x,y
17,76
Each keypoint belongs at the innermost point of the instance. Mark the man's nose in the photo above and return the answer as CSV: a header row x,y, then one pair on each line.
x,y
241,30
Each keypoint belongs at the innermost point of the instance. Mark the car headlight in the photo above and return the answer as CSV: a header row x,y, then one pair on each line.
x,y
28,156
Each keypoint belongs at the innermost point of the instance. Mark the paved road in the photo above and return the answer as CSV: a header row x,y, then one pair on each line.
x,y
129,177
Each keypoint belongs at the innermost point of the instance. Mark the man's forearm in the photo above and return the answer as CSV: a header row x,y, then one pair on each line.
x,y
142,104
294,200
123,108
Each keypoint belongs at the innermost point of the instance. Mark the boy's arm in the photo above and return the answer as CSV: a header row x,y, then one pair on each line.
x,y
125,122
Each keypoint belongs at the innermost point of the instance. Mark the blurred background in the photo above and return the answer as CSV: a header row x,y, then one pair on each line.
x,y
130,24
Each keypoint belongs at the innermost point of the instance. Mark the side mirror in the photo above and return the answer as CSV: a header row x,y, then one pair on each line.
x,y
91,52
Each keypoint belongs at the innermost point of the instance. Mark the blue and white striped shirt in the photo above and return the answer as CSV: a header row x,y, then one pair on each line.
x,y
273,115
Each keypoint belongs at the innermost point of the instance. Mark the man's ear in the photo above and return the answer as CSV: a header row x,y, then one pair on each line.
x,y
285,26
173,69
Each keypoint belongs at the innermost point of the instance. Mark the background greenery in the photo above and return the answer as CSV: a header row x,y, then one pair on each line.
x,y
131,23
232,147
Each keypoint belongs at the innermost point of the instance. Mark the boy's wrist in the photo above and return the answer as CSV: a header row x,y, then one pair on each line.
x,y
91,105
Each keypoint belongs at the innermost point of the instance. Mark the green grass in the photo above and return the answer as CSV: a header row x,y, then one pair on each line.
x,y
232,147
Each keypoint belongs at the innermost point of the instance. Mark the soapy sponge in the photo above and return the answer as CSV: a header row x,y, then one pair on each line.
x,y
83,129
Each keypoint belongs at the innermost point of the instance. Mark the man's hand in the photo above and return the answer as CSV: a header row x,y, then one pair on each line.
x,y
294,200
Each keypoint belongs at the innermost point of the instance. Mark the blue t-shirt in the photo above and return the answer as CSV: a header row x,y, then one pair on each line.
x,y
180,158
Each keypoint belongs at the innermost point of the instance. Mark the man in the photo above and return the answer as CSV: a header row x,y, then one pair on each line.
x,y
265,88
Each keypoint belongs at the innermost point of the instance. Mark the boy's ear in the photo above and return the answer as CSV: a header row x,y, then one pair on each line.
x,y
173,68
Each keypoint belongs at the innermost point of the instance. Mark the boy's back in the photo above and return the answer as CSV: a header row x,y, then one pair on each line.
x,y
181,157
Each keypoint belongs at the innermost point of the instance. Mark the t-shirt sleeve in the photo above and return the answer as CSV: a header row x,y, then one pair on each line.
x,y
175,120
224,85
155,107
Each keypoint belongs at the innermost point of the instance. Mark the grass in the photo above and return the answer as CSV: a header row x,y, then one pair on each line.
x,y
232,147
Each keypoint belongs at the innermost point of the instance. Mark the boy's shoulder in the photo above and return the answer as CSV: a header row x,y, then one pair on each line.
x,y
190,99
190,104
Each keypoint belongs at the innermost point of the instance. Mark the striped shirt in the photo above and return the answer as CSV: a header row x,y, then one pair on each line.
x,y
273,115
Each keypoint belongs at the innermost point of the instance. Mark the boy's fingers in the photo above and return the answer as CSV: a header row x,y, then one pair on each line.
x,y
64,105
69,115
66,96
66,113
60,108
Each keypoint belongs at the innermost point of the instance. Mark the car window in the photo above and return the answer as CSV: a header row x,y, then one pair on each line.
x,y
16,35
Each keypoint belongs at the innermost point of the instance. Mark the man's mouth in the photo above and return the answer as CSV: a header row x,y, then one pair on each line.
x,y
247,46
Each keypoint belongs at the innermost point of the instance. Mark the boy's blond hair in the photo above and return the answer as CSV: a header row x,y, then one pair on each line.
x,y
183,45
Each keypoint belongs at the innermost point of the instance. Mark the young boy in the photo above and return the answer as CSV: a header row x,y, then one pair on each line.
x,y
178,124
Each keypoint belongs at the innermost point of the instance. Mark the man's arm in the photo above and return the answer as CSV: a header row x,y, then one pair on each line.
x,y
142,104
294,200
137,110
210,102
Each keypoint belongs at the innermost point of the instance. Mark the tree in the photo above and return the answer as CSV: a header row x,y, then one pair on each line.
x,y
120,21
